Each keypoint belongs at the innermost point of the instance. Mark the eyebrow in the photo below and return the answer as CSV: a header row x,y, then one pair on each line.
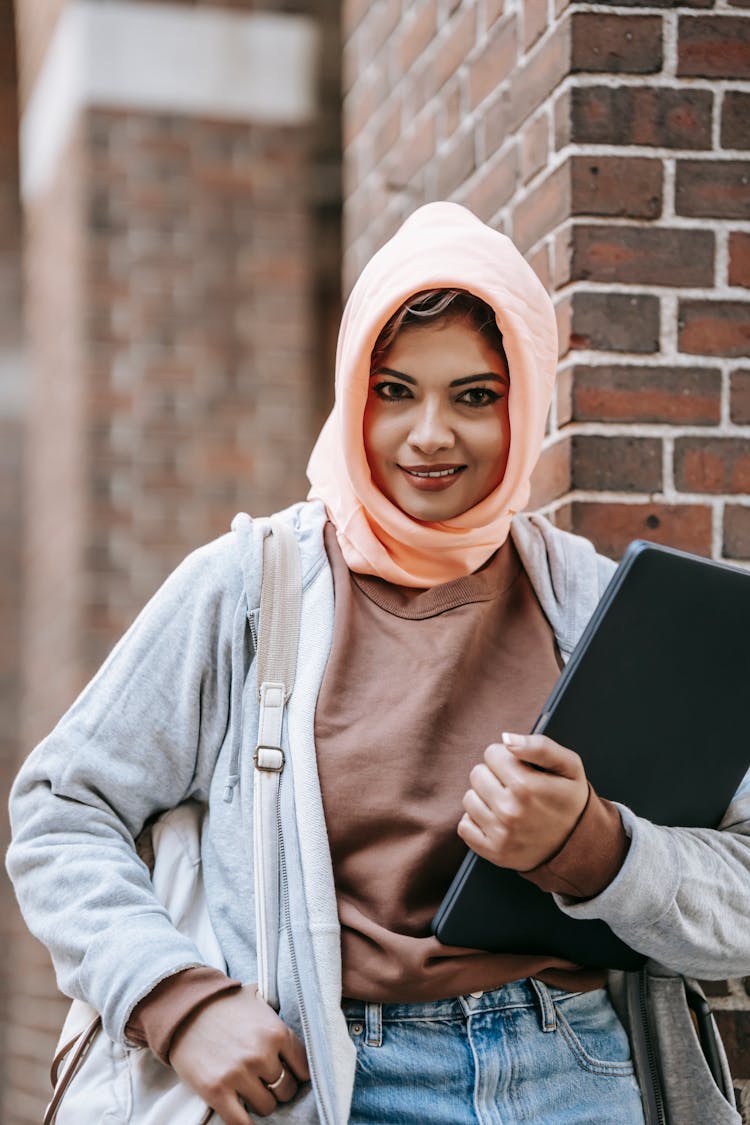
x,y
491,375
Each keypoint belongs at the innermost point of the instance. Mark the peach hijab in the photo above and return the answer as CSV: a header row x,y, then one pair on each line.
x,y
441,245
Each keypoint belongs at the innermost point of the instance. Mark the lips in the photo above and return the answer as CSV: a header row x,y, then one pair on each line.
x,y
431,478
432,471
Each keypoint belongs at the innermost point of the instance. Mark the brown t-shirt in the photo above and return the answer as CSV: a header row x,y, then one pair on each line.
x,y
417,684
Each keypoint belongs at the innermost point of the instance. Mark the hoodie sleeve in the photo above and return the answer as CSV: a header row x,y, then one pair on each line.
x,y
682,895
142,737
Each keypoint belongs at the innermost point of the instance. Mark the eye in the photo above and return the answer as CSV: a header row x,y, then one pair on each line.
x,y
392,392
478,396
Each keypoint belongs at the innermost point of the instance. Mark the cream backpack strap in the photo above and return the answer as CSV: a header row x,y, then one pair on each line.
x,y
278,638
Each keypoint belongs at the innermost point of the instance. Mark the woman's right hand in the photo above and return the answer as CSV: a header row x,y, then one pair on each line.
x,y
232,1050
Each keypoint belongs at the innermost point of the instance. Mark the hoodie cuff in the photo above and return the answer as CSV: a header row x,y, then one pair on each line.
x,y
591,856
154,1022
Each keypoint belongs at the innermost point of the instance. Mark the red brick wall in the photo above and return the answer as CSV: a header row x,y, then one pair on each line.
x,y
612,146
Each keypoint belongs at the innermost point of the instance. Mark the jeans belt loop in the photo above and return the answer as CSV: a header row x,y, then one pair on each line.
x,y
547,1009
373,1024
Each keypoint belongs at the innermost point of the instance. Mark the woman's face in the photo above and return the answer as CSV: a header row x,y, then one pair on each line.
x,y
436,426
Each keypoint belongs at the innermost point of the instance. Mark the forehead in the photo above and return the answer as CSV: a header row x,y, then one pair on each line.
x,y
451,345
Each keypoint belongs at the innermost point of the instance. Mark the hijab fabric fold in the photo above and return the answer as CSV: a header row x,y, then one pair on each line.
x,y
441,245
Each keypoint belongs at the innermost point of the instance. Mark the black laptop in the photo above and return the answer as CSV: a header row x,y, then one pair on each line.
x,y
655,699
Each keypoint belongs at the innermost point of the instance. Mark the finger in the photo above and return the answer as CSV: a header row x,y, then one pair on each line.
x,y
473,837
484,818
538,750
254,1096
507,768
231,1110
284,1085
486,783
294,1055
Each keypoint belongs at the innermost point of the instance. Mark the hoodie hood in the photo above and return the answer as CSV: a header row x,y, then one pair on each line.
x,y
441,245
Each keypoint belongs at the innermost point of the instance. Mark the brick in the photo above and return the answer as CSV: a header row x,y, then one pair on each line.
x,y
564,319
562,120
382,20
643,255
545,207
447,56
539,262
616,322
739,396
360,106
679,395
450,112
616,44
492,187
616,464
413,152
493,10
715,465
734,1028
532,83
534,144
497,122
736,542
387,133
713,47
353,11
632,115
739,258
456,164
416,34
714,328
551,476
735,120
564,396
713,189
494,62
610,527
630,187
534,21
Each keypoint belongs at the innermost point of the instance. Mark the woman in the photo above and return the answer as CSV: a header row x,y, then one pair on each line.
x,y
451,621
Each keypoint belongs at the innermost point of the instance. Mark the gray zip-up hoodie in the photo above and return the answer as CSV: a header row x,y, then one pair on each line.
x,y
173,714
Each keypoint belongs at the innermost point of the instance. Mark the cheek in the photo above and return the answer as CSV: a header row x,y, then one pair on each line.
x,y
495,440
375,434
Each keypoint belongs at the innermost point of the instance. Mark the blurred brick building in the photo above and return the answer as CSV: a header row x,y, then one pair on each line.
x,y
179,188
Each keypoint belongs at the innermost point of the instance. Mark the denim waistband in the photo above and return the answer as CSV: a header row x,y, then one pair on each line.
x,y
517,994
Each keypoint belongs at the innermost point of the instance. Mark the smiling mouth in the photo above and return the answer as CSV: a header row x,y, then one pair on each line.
x,y
433,474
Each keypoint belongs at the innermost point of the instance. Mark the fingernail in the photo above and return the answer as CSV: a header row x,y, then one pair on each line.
x,y
513,741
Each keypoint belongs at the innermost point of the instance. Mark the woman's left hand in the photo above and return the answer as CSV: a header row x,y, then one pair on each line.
x,y
526,798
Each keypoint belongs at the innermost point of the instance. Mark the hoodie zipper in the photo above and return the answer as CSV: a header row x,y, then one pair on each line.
x,y
287,917
656,1090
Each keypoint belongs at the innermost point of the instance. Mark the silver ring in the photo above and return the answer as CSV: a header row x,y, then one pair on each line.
x,y
279,1080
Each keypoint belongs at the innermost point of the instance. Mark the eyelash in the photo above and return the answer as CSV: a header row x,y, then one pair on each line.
x,y
490,396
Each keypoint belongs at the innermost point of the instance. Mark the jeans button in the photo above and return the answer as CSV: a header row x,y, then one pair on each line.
x,y
357,1029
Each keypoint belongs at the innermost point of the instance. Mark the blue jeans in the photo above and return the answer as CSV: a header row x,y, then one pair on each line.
x,y
521,1053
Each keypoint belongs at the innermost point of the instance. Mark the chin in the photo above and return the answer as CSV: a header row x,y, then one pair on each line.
x,y
430,512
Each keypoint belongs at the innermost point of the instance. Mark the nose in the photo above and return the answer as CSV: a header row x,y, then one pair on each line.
x,y
430,430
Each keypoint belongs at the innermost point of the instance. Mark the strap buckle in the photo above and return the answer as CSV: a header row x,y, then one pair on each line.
x,y
269,767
